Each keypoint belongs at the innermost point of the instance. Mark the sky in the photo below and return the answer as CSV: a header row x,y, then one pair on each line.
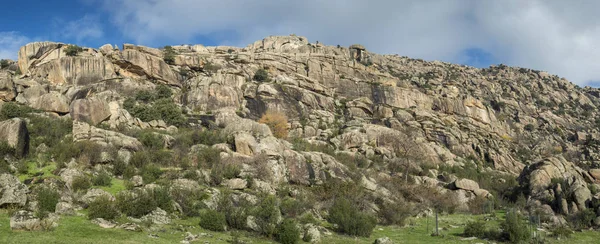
x,y
560,37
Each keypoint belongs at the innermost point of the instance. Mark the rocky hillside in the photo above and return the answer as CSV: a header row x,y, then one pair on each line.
x,y
306,122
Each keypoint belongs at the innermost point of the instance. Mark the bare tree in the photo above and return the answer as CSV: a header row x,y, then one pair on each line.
x,y
408,152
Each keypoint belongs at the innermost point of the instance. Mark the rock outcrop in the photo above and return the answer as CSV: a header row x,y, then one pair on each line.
x,y
14,132
12,191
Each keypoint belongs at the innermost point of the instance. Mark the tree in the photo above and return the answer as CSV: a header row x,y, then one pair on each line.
x,y
73,50
4,63
261,75
169,55
277,122
408,152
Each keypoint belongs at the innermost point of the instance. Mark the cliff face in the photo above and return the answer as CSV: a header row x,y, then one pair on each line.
x,y
502,118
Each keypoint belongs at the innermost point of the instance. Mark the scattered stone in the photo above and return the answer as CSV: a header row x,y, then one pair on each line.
x,y
12,191
104,223
383,240
158,216
130,227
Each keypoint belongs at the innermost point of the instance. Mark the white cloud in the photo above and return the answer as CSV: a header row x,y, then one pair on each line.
x,y
88,27
10,42
554,35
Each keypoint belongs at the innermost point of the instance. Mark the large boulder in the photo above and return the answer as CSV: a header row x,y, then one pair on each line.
x,y
7,87
14,132
83,131
52,102
91,110
12,191
465,184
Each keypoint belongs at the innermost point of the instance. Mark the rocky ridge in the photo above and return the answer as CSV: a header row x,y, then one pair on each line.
x,y
503,120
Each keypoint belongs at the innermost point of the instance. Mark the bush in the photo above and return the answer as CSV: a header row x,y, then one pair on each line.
x,y
212,220
288,232
235,214
350,219
190,200
561,231
12,110
261,75
102,179
4,63
103,207
81,183
169,55
266,214
140,202
277,122
211,68
529,127
475,228
144,96
73,50
150,173
395,213
582,219
169,112
227,170
291,207
151,140
47,199
209,157
6,149
163,91
48,131
514,229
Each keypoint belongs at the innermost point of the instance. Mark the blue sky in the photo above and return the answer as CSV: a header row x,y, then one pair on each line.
x,y
552,35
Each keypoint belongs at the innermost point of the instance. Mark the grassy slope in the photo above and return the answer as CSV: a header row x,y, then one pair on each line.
x,y
78,229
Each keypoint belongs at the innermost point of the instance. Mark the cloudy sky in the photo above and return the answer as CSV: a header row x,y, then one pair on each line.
x,y
562,37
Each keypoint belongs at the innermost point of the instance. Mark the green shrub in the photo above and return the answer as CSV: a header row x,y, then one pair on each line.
x,y
140,202
151,140
13,110
291,207
81,183
189,200
350,219
169,111
235,214
6,149
561,231
529,127
102,179
163,91
288,232
103,207
582,219
209,157
227,170
47,199
4,63
48,131
119,167
475,228
169,55
212,220
150,173
266,215
261,75
395,213
514,229
73,50
145,96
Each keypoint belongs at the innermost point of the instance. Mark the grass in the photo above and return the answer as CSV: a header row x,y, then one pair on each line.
x,y
115,187
34,171
77,229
